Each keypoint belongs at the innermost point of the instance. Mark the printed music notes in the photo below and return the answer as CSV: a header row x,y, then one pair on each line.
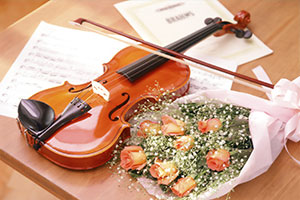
x,y
53,55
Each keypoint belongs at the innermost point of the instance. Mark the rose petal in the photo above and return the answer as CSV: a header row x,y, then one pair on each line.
x,y
184,186
167,120
172,129
202,126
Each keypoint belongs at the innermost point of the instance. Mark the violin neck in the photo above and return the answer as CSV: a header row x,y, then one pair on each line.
x,y
144,65
192,39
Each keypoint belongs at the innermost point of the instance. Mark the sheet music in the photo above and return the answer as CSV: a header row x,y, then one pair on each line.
x,y
164,21
202,80
53,55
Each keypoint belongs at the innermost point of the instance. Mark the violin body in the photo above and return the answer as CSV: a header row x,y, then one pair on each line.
x,y
89,140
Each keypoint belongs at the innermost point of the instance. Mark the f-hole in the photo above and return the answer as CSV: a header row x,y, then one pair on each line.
x,y
118,107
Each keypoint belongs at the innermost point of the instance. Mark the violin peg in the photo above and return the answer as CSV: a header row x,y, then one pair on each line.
x,y
238,33
217,19
208,21
247,34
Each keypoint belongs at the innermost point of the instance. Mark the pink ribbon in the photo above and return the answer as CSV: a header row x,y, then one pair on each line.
x,y
287,94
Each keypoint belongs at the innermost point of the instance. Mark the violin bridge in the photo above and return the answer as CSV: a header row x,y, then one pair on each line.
x,y
99,89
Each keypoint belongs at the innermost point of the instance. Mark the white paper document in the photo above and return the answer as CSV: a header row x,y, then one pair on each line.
x,y
165,21
52,56
202,80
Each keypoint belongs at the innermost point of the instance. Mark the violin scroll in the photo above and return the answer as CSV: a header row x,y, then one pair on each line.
x,y
242,18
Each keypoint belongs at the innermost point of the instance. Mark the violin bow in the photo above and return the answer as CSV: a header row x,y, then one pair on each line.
x,y
211,68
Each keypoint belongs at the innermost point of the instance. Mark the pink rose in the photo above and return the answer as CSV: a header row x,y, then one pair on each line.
x,y
164,171
148,127
184,143
133,157
217,160
209,125
184,186
172,126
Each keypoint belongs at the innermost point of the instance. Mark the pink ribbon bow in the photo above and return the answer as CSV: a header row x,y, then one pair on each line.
x,y
287,94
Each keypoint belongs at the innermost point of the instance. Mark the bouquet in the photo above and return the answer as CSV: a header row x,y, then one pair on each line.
x,y
187,148
200,147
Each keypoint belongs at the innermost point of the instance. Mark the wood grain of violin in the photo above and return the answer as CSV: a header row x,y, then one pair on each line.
x,y
131,77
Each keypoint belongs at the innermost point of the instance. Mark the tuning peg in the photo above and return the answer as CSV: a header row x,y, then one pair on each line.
x,y
239,33
247,34
210,20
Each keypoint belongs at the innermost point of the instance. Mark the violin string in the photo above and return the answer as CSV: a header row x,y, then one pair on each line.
x,y
86,91
87,99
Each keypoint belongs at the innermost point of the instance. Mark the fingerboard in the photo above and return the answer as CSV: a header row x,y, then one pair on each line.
x,y
144,65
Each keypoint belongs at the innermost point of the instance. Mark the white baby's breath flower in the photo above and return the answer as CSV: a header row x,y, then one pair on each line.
x,y
193,162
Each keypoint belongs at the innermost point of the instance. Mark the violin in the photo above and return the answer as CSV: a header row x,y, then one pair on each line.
x,y
78,126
